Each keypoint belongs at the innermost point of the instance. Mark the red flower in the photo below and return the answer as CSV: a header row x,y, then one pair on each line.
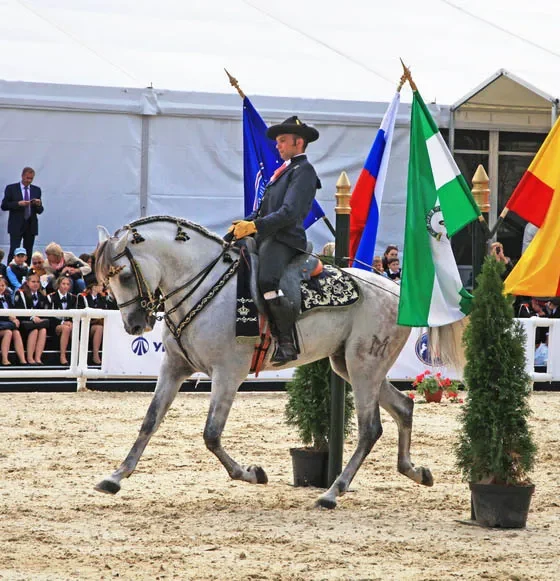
x,y
411,395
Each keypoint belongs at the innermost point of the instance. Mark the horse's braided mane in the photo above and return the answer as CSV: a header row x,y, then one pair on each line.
x,y
177,221
104,260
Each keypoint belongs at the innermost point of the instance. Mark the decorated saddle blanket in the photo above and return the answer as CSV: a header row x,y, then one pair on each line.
x,y
332,288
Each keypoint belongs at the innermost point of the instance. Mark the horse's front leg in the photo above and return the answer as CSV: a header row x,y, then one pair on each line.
x,y
172,375
223,393
401,407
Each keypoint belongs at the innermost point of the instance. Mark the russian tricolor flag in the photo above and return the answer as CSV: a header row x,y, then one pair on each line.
x,y
366,198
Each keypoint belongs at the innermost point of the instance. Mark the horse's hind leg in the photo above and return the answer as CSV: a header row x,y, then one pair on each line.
x,y
401,408
170,380
223,393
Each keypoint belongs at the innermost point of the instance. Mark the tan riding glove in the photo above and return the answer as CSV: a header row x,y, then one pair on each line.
x,y
244,228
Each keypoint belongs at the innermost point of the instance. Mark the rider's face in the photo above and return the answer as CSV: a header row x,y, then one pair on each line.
x,y
289,145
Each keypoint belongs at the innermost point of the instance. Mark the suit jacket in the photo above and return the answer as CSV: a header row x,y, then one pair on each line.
x,y
286,203
10,304
16,219
86,300
21,302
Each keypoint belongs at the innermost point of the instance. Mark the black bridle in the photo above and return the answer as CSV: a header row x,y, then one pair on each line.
x,y
152,303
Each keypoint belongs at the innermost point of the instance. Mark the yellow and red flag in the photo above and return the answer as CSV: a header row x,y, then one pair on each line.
x,y
537,200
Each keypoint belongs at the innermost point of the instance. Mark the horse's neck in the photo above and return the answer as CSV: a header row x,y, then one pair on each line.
x,y
185,264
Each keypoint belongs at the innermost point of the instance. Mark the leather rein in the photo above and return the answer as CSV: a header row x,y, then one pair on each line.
x,y
152,303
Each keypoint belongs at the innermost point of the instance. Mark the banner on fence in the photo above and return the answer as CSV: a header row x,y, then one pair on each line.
x,y
127,355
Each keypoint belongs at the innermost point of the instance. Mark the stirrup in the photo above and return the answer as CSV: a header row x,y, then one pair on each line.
x,y
284,353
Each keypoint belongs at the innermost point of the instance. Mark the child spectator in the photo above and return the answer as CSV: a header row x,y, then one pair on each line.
x,y
29,296
377,266
63,299
391,251
17,270
93,297
394,269
9,328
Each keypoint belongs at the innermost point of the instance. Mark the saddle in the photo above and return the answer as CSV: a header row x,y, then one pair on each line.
x,y
302,268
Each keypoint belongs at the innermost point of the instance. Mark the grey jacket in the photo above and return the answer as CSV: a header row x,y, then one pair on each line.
x,y
286,203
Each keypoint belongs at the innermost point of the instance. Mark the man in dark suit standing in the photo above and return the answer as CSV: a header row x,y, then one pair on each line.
x,y
23,201
278,225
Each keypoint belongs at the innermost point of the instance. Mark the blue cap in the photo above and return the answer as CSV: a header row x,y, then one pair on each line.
x,y
20,250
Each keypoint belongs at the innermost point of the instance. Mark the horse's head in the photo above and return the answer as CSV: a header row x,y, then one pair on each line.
x,y
133,277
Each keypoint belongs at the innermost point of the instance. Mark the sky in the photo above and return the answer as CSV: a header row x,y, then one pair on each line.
x,y
296,48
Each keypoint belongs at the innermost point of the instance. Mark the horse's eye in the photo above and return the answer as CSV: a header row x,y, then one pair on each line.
x,y
126,278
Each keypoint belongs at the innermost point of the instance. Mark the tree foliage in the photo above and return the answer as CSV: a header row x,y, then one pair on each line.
x,y
495,443
309,401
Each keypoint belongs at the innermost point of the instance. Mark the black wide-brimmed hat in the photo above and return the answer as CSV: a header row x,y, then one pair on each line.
x,y
293,126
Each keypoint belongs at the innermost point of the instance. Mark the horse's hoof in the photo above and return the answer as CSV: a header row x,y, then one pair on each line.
x,y
259,474
262,478
427,478
108,487
326,503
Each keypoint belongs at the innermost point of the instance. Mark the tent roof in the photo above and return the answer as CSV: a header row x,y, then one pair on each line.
x,y
297,48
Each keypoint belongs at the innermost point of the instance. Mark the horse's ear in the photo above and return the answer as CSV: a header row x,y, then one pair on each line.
x,y
119,244
103,234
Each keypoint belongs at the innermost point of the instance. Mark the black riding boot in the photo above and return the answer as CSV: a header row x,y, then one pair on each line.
x,y
283,322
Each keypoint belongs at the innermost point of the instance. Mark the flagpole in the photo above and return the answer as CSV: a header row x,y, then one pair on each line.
x,y
235,84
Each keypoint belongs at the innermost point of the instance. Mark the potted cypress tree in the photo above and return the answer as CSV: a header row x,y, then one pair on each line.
x,y
308,409
496,450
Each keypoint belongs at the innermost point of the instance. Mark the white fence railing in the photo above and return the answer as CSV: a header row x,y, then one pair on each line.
x,y
127,357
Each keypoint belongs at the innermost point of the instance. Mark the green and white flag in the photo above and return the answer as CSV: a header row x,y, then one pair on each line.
x,y
439,204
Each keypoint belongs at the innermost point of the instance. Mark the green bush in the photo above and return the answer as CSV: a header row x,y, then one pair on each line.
x,y
495,443
309,401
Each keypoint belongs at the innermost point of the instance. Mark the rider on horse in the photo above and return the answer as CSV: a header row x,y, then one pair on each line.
x,y
278,225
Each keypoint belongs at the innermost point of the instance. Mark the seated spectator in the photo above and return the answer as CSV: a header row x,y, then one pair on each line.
x,y
65,263
394,269
18,269
38,266
328,249
111,300
391,251
29,296
2,265
63,299
497,251
9,327
93,297
541,353
88,259
553,312
377,266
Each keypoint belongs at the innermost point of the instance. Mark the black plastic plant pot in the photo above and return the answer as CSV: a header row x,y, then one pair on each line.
x,y
496,505
310,467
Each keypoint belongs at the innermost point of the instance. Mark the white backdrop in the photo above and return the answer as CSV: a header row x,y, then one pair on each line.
x,y
109,155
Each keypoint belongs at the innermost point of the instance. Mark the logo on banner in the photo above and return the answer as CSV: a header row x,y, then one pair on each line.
x,y
140,346
422,351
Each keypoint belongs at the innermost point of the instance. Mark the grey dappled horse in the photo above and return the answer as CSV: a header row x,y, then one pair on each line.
x,y
198,292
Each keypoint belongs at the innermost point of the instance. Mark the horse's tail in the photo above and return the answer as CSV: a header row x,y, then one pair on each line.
x,y
446,344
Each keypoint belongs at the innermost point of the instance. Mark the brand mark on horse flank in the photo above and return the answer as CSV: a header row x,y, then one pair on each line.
x,y
379,347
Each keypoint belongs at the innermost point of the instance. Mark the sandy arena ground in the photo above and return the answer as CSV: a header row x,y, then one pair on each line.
x,y
180,517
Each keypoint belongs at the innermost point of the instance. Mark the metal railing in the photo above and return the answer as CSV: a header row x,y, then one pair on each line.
x,y
79,369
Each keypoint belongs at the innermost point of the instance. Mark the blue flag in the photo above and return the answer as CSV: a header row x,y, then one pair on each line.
x,y
260,160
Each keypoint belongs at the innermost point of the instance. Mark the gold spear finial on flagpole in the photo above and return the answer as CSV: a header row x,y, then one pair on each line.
x,y
408,76
234,83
